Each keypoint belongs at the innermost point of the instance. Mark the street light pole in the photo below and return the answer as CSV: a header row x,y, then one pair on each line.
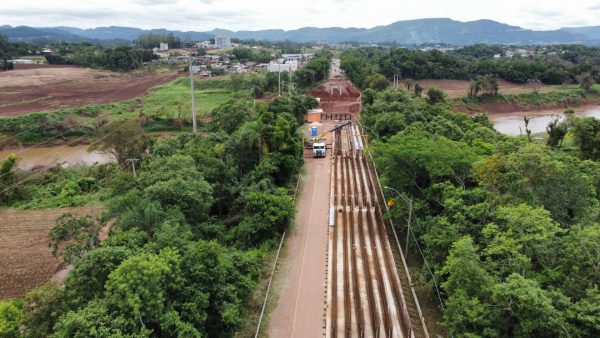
x,y
409,202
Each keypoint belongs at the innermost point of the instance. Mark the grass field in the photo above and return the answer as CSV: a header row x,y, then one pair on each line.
x,y
174,99
27,261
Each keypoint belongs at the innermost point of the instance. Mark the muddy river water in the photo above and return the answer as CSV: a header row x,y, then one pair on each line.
x,y
513,124
47,156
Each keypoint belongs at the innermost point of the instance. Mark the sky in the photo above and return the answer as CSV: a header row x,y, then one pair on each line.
x,y
205,15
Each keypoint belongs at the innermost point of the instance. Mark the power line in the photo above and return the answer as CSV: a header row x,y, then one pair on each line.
x,y
194,128
70,143
41,172
48,122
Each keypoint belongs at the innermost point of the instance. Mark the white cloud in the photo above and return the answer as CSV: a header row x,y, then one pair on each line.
x,y
203,15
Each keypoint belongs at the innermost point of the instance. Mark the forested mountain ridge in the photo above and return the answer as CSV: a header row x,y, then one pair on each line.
x,y
420,31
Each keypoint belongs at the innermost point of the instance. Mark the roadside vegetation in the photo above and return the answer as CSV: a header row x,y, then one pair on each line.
x,y
191,231
509,227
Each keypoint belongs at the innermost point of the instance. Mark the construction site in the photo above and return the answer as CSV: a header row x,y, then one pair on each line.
x,y
345,275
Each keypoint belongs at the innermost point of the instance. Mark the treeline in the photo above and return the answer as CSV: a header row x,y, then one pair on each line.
x,y
151,40
555,65
246,54
314,71
191,231
10,50
121,58
286,47
509,227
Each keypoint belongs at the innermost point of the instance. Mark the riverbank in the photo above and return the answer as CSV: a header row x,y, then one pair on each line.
x,y
563,98
513,124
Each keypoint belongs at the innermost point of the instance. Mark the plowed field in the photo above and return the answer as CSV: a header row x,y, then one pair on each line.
x,y
31,88
26,260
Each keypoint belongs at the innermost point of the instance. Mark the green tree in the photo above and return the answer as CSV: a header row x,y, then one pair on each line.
x,y
231,115
219,283
556,133
6,52
74,236
301,105
468,286
417,160
140,287
586,81
377,82
176,182
9,189
43,306
435,95
585,314
122,139
267,216
10,318
586,135
96,319
541,177
515,241
86,281
151,40
242,54
527,308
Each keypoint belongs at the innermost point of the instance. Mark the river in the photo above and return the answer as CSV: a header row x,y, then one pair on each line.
x,y
47,156
513,124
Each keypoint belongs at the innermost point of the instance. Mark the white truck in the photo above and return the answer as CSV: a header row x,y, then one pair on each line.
x,y
319,149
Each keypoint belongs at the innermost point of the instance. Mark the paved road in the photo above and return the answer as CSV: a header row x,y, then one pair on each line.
x,y
300,309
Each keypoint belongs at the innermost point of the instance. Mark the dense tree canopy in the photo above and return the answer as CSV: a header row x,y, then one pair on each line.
x,y
467,63
508,226
189,233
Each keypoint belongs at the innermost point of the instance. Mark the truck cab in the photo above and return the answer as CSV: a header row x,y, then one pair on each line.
x,y
319,149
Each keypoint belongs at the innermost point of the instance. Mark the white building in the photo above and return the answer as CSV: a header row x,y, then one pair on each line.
x,y
203,44
163,47
282,67
222,41
292,57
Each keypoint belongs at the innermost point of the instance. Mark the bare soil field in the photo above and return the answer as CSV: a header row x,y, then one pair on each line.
x,y
31,88
458,88
27,260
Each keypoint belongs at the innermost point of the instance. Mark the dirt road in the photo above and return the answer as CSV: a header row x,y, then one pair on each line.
x,y
300,309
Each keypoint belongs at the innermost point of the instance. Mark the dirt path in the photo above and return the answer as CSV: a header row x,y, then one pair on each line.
x,y
300,309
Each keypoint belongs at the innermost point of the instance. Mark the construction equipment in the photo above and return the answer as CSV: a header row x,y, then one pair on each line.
x,y
320,148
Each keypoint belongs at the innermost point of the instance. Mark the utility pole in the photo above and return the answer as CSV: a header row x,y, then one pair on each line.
x,y
194,128
290,82
133,161
279,81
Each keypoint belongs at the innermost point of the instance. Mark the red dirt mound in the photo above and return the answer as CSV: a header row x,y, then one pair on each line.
x,y
338,96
